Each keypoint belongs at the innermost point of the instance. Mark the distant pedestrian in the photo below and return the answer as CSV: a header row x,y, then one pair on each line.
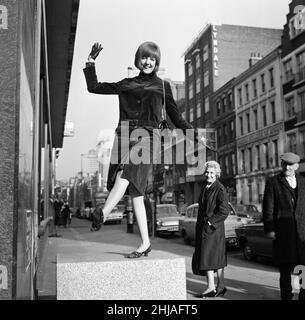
x,y
210,247
57,208
284,221
65,212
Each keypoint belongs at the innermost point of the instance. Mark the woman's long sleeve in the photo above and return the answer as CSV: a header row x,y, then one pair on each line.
x,y
99,87
222,210
172,109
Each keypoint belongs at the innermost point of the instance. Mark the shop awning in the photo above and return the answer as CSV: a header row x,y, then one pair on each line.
x,y
61,22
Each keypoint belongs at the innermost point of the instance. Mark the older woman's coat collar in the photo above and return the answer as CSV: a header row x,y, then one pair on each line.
x,y
214,185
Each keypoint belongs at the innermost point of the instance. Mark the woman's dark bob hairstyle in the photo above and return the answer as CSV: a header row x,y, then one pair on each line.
x,y
148,49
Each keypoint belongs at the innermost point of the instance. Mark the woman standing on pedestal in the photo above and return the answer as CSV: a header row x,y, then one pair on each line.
x,y
140,105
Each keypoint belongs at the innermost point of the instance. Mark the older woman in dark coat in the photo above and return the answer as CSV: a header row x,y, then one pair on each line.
x,y
141,100
210,251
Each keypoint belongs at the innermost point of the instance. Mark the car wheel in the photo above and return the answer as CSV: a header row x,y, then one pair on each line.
x,y
247,252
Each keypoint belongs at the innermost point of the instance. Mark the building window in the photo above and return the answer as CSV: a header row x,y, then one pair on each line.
x,y
301,66
230,105
248,122
233,163
197,61
303,142
224,104
206,52
276,153
227,165
288,70
243,161
206,105
250,159
290,107
219,136
258,157
255,119
225,133
218,107
266,155
198,109
273,114
191,91
240,98
198,82
206,78
241,125
301,113
232,129
250,192
292,142
264,116
271,76
190,69
263,84
254,88
191,114
247,92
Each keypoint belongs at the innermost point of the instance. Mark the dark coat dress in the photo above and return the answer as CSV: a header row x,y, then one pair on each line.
x,y
140,105
284,214
210,246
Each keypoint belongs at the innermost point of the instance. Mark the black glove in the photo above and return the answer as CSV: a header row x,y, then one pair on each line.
x,y
96,49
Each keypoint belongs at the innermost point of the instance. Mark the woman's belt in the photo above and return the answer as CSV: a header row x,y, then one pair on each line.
x,y
138,123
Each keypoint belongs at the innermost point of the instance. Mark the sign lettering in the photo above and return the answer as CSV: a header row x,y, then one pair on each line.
x,y
3,278
215,50
298,278
3,18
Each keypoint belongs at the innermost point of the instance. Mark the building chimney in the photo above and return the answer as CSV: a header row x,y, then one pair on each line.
x,y
255,57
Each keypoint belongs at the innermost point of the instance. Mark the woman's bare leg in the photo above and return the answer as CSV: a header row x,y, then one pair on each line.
x,y
220,279
140,212
211,282
116,194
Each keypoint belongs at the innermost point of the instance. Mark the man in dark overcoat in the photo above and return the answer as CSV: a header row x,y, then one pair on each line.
x,y
284,221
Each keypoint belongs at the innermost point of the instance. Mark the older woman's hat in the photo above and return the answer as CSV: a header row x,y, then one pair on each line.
x,y
290,158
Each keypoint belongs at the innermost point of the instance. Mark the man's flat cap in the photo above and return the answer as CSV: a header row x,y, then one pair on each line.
x,y
290,158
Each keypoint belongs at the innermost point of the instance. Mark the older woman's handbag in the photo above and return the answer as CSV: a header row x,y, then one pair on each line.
x,y
163,124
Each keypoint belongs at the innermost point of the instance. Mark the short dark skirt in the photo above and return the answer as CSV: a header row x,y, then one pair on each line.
x,y
133,152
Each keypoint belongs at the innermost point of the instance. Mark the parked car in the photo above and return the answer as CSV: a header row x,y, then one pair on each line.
x,y
167,218
115,215
187,225
248,211
253,241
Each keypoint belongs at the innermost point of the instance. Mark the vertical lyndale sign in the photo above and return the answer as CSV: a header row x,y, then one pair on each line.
x,y
3,18
215,51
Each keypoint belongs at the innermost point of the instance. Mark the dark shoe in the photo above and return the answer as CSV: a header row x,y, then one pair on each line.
x,y
210,294
137,254
221,292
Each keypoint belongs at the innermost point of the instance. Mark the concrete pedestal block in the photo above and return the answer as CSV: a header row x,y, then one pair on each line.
x,y
110,276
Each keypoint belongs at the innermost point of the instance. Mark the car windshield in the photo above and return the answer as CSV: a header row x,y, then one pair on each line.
x,y
169,211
